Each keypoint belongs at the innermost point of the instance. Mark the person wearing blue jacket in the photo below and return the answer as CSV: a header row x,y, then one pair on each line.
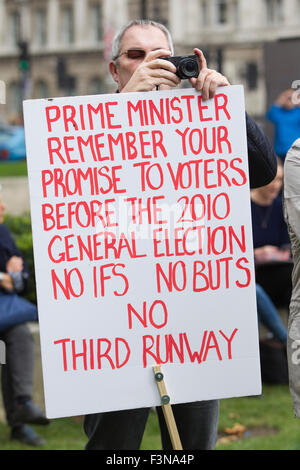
x,y
285,116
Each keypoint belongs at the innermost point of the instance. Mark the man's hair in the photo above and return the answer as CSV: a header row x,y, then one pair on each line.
x,y
116,45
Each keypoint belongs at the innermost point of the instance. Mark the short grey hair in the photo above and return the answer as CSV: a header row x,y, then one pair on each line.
x,y
116,45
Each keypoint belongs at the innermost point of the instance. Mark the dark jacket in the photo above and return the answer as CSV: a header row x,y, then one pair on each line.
x,y
261,156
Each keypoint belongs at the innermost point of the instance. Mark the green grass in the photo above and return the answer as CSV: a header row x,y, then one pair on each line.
x,y
60,434
268,420
12,169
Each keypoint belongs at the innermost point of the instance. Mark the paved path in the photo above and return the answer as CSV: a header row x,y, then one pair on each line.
x,y
15,194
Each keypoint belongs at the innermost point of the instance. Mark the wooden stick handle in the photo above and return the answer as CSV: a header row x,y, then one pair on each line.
x,y
167,409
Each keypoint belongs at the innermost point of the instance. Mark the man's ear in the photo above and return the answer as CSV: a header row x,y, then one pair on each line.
x,y
113,71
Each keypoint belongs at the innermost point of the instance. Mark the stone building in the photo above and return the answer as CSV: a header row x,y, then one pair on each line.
x,y
69,42
236,35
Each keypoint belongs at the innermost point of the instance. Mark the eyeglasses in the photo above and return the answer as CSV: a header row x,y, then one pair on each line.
x,y
133,54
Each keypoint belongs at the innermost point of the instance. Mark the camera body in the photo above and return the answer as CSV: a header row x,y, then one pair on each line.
x,y
186,66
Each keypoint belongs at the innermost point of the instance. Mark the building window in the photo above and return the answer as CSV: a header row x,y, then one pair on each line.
x,y
96,22
41,89
67,24
158,13
40,31
221,11
71,86
96,86
204,13
274,11
235,13
15,98
157,10
252,76
14,32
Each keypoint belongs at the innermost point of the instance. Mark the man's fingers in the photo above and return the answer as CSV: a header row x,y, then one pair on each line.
x,y
154,71
162,64
208,82
158,53
157,72
162,76
166,84
202,77
209,88
7,283
213,82
201,59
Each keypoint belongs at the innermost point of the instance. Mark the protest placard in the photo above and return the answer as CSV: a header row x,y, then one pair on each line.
x,y
143,248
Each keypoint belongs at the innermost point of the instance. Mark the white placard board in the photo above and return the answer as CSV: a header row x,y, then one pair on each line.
x,y
143,248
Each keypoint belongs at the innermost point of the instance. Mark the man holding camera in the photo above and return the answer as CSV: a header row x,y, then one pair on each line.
x,y
138,64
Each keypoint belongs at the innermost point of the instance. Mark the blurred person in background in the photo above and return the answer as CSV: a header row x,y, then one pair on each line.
x,y
268,315
17,374
12,139
285,116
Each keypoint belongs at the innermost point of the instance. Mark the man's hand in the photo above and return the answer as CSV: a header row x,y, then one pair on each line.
x,y
284,100
7,282
153,72
208,80
268,253
14,264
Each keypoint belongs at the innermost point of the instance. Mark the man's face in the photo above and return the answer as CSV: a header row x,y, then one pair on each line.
x,y
272,189
147,38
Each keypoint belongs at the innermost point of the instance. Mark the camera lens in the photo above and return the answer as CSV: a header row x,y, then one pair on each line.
x,y
188,68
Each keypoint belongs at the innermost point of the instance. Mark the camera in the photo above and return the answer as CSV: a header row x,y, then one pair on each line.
x,y
186,66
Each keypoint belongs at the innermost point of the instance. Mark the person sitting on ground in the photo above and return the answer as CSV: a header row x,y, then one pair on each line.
x,y
17,372
268,315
